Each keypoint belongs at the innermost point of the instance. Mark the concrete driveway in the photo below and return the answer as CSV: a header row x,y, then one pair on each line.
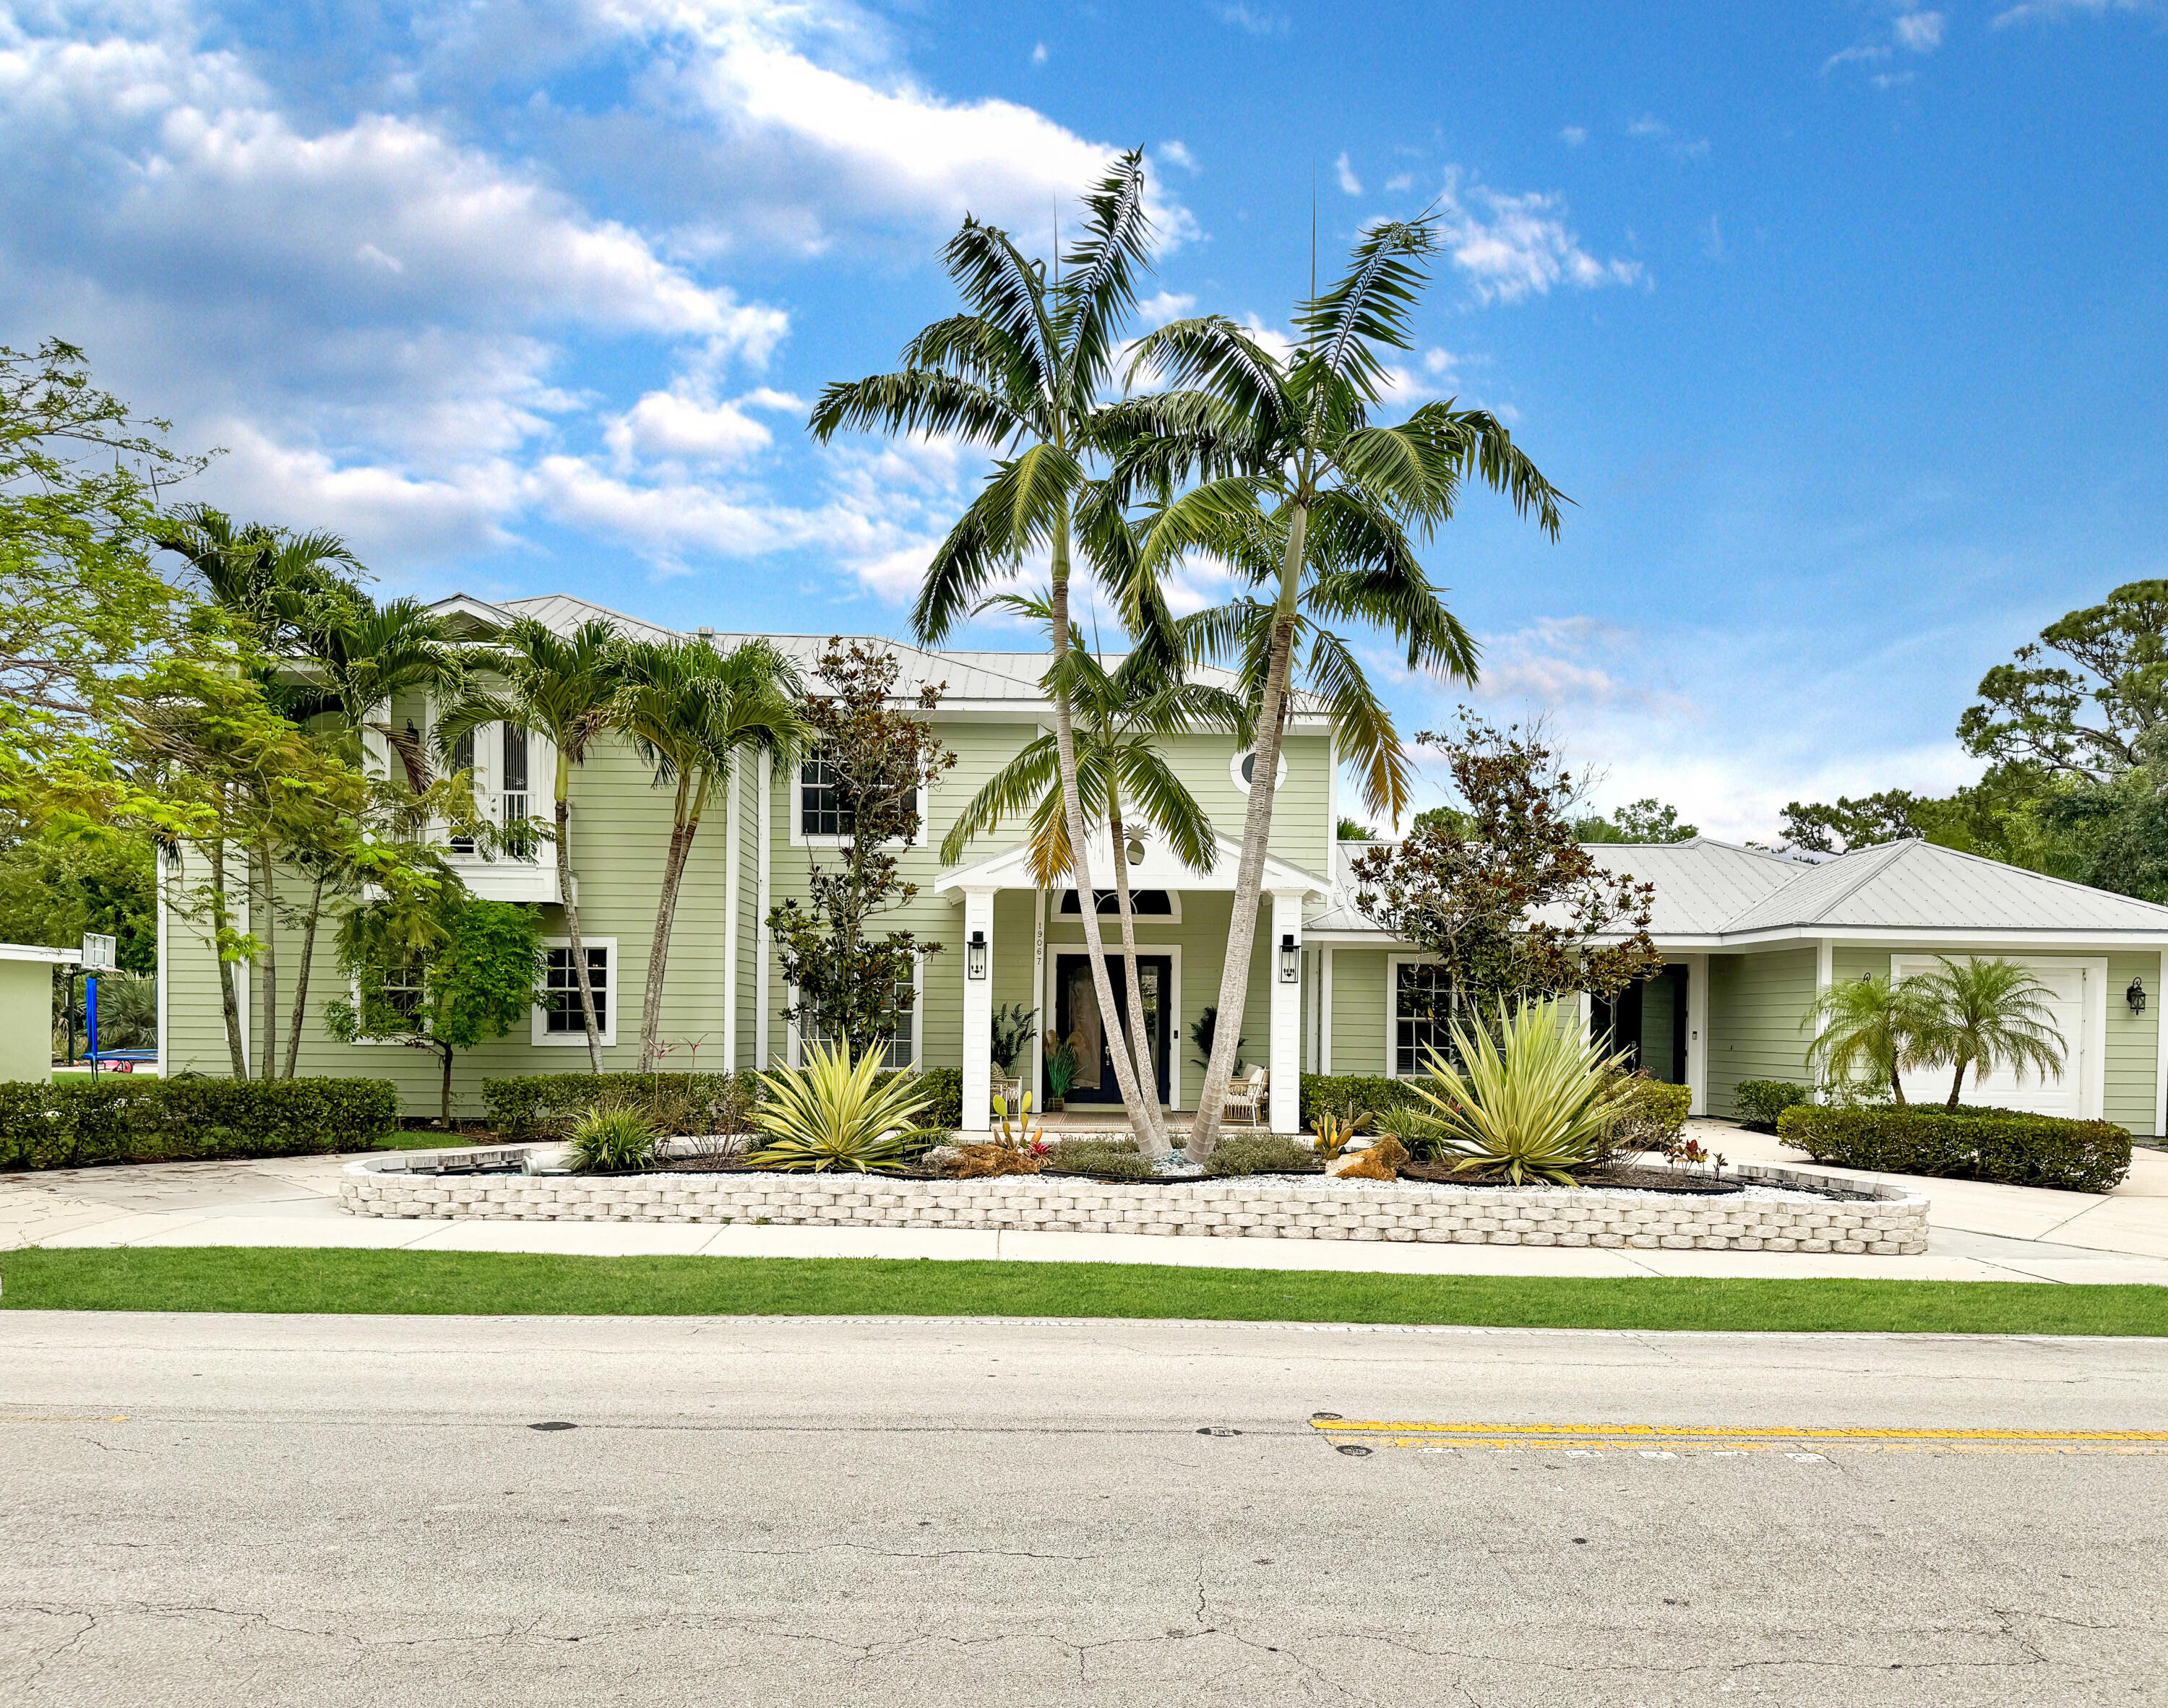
x,y
352,1512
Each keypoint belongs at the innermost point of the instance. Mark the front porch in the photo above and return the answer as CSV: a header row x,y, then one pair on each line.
x,y
1024,947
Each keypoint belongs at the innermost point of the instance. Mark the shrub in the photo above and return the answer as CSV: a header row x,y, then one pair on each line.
x,y
837,1114
1965,1144
612,1141
1651,1114
1260,1154
1117,1159
1336,1093
527,1106
1759,1102
135,1119
1532,1102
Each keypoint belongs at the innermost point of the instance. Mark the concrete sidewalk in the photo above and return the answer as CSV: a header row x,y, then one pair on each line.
x,y
1980,1232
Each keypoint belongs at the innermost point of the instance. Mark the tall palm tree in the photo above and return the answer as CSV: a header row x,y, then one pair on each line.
x,y
1122,716
1870,1031
691,713
1288,446
1990,1013
273,579
566,687
1024,373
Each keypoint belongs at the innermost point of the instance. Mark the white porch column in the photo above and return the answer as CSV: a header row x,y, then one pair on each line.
x,y
978,1015
1324,1014
1697,1033
1285,1057
1825,978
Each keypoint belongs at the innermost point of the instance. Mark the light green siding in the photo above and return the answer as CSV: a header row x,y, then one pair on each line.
x,y
1756,1003
1361,1028
26,1019
1659,1023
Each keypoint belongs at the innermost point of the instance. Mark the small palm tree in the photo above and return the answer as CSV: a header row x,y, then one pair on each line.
x,y
1122,715
1870,1031
1990,1013
1282,455
691,713
566,687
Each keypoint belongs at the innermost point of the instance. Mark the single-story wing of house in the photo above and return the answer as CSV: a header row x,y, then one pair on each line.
x,y
1749,938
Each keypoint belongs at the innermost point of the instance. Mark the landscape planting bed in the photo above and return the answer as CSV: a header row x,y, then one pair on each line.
x,y
1780,1210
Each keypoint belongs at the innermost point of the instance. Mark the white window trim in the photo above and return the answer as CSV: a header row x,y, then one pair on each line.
x,y
1173,896
1235,769
1393,965
799,839
544,1038
795,1057
369,1040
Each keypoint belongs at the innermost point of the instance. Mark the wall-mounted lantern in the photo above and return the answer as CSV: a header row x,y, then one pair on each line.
x,y
1291,958
2135,996
974,956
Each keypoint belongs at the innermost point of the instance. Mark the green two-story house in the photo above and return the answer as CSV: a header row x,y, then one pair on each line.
x,y
1748,937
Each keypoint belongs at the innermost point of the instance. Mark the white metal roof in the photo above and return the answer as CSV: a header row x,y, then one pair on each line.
x,y
39,952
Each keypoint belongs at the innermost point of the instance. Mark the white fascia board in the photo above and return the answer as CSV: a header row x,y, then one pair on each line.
x,y
40,952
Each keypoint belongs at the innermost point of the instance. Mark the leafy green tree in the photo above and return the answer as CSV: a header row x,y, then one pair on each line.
x,y
851,984
436,970
1285,454
1816,827
1870,1032
567,687
1645,820
1354,830
1025,373
1125,781
2083,698
694,714
53,889
1988,1013
1502,892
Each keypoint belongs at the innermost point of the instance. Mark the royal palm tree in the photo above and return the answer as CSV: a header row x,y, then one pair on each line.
x,y
692,714
1024,372
1122,717
1250,443
565,686
1870,1031
1990,1013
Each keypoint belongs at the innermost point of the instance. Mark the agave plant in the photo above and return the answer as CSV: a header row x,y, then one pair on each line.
x,y
837,1115
1533,1102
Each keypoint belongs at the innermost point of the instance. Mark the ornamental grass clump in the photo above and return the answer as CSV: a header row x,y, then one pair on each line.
x,y
837,1115
611,1142
1534,1102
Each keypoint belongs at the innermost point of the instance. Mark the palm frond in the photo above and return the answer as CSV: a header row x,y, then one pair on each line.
x,y
920,399
1368,306
1362,726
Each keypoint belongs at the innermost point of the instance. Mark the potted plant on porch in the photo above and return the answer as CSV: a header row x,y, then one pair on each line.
x,y
1061,1069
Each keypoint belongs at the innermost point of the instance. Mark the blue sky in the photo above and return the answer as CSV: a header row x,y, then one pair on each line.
x,y
1843,323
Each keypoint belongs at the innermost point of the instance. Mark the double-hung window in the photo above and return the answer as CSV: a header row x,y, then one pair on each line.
x,y
1423,1015
902,1049
558,1019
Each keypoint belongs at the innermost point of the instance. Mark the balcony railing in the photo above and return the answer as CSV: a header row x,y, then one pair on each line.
x,y
509,809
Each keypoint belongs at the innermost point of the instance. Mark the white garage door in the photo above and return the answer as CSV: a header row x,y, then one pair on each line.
x,y
2076,992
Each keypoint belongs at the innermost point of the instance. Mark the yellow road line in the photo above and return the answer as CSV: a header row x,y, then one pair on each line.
x,y
1341,1426
1721,1445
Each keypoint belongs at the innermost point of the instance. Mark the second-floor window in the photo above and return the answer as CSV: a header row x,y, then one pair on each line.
x,y
822,811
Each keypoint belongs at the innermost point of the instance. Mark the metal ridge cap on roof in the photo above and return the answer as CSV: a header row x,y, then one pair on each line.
x,y
1910,843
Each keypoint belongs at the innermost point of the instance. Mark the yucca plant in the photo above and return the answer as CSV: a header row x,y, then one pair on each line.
x,y
837,1115
611,1141
1534,1102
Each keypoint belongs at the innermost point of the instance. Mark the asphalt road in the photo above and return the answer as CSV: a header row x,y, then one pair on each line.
x,y
329,1511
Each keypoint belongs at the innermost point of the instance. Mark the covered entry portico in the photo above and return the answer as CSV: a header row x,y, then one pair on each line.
x,y
1186,952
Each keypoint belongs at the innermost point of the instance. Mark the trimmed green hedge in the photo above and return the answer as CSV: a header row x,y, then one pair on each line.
x,y
525,1106
1333,1093
1759,1103
1963,1144
1653,1114
141,1119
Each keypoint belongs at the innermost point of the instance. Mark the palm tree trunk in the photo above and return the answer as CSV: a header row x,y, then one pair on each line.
x,y
682,827
302,978
1137,1041
1257,832
444,1089
263,882
571,907
1957,1084
1064,747
1896,1088
228,996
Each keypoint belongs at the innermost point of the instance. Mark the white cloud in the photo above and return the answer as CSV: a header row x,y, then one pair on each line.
x,y
1349,183
1920,31
686,425
1039,53
1650,128
1573,135
1400,181
1162,306
1251,21
2047,11
1175,152
1440,363
1515,246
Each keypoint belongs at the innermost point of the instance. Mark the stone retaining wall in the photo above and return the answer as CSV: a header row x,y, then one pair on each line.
x,y
1894,1225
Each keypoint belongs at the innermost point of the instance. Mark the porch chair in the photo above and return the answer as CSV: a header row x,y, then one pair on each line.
x,y
1008,1096
1246,1097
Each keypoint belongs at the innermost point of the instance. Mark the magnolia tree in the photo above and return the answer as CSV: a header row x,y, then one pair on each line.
x,y
852,982
1501,890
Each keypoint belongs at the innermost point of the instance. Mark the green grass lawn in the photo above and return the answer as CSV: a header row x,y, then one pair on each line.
x,y
241,1278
